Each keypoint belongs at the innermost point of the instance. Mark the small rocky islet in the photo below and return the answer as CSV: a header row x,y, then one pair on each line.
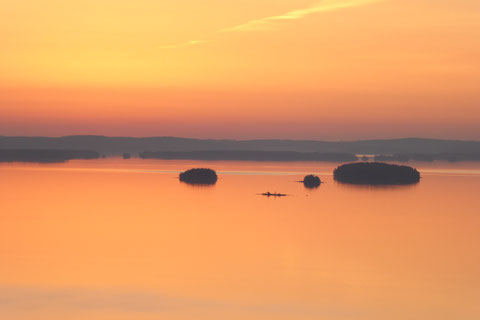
x,y
311,181
376,173
199,176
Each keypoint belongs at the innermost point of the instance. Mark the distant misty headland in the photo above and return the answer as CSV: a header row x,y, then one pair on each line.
x,y
47,149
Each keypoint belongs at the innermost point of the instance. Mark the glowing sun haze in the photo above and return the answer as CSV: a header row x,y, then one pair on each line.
x,y
332,69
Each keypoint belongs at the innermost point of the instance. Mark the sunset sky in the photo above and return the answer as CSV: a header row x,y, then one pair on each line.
x,y
301,69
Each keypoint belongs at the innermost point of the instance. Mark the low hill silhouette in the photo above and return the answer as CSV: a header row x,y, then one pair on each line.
x,y
118,145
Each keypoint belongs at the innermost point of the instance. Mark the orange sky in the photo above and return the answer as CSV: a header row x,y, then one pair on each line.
x,y
332,69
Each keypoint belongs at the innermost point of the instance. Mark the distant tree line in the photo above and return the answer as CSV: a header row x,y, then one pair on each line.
x,y
44,155
247,155
446,156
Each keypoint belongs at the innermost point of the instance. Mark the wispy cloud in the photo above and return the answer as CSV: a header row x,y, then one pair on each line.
x,y
270,23
183,44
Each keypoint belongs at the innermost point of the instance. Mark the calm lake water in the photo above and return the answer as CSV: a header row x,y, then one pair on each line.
x,y
124,239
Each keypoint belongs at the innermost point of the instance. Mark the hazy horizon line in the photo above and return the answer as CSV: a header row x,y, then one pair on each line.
x,y
239,139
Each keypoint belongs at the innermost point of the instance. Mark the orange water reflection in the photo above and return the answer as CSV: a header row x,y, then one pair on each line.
x,y
115,239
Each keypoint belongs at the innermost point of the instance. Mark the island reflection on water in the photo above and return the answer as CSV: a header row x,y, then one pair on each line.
x,y
115,239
